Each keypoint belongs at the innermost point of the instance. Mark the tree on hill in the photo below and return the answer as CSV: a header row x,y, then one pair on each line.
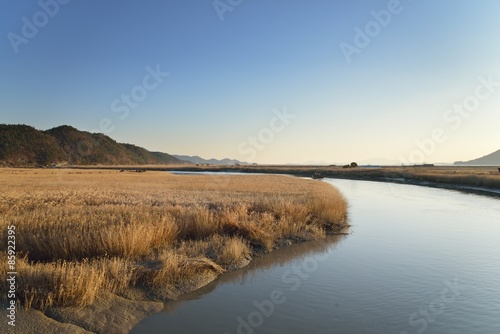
x,y
23,144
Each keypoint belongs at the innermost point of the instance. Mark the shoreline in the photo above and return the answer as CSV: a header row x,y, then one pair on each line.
x,y
480,180
123,312
254,219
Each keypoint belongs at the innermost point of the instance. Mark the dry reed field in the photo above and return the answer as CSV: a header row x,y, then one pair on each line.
x,y
81,234
488,177
485,177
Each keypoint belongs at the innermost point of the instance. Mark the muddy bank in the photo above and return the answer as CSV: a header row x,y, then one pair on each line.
x,y
111,313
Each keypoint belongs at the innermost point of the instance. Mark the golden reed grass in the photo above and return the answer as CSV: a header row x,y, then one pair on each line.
x,y
80,234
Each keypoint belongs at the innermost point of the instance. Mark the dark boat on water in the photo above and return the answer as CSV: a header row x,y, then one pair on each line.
x,y
317,176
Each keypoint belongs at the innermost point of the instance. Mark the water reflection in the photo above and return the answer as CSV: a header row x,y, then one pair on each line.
x,y
408,244
278,257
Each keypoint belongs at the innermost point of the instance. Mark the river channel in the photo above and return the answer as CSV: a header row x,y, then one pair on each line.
x,y
416,260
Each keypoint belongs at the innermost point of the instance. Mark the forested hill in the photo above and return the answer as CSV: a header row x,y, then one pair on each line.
x,y
23,145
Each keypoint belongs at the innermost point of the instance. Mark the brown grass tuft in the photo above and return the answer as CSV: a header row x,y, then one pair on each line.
x,y
41,285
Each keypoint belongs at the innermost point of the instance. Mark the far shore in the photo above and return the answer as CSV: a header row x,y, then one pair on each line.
x,y
484,180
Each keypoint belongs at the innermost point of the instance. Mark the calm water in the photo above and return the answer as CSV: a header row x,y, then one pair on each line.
x,y
418,260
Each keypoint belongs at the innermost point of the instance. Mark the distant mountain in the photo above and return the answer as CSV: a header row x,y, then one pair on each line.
x,y
22,145
492,159
198,160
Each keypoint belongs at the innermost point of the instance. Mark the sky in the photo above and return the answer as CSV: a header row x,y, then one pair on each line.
x,y
283,81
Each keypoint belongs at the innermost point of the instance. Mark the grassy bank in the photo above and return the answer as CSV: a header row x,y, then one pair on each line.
x,y
449,177
82,234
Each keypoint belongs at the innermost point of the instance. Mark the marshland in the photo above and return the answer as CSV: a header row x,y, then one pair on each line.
x,y
83,236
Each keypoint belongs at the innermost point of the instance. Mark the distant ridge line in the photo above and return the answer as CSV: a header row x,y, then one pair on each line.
x,y
199,160
492,159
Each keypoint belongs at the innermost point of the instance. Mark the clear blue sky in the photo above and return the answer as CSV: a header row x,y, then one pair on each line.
x,y
231,69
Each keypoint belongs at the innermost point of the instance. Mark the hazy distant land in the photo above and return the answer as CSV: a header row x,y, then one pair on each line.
x,y
25,146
